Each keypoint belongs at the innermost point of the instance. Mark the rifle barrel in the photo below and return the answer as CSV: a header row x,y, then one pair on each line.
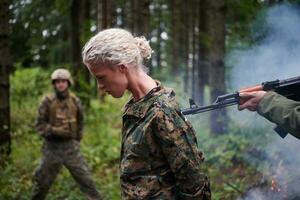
x,y
196,110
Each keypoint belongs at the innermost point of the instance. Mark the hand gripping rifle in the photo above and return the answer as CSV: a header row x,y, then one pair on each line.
x,y
289,88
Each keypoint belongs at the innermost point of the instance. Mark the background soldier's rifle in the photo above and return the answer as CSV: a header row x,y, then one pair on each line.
x,y
289,88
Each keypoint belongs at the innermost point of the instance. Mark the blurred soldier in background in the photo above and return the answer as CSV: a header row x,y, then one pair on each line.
x,y
60,123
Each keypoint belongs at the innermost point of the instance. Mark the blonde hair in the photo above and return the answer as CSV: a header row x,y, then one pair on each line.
x,y
116,46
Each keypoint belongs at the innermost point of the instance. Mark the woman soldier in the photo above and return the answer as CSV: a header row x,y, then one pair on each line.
x,y
159,154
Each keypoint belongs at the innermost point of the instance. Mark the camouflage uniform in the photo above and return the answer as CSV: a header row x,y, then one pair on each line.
x,y
159,155
282,111
60,123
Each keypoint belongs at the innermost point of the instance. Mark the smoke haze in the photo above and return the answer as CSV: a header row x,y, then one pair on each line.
x,y
275,57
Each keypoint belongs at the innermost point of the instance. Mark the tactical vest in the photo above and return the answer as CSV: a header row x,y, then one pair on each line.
x,y
62,112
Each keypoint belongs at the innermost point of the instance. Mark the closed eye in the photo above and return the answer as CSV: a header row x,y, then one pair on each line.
x,y
99,77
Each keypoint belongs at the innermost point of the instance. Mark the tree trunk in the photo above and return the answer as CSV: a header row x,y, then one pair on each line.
x,y
216,61
106,14
194,46
135,16
79,72
158,48
142,17
159,31
99,15
75,40
186,10
123,15
174,34
5,65
85,24
129,6
202,62
141,22
145,31
105,20
85,19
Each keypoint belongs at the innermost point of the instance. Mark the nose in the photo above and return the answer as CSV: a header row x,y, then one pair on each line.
x,y
100,86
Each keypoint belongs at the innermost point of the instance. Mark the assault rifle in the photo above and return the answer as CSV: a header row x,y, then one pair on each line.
x,y
289,88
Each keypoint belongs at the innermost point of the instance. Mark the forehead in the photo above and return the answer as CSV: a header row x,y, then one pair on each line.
x,y
101,68
60,80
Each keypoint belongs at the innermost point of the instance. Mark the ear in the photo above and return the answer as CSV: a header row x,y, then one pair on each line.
x,y
122,68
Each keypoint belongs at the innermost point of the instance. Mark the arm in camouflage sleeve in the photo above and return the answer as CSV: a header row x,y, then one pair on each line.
x,y
178,143
80,119
282,111
42,121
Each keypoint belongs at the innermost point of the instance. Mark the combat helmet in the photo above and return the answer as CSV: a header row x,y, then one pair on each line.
x,y
62,74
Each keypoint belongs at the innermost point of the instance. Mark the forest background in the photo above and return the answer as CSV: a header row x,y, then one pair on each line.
x,y
202,48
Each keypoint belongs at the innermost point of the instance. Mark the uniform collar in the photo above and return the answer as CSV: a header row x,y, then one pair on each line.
x,y
61,95
139,108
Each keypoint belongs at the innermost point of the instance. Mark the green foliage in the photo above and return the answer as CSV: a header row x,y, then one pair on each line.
x,y
29,84
240,15
39,29
100,145
26,88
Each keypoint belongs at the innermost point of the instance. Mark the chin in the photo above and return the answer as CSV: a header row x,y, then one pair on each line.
x,y
117,95
62,90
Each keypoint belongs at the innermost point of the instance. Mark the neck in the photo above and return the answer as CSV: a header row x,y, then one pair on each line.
x,y
140,84
61,95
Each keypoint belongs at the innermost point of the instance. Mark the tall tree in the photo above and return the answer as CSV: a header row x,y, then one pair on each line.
x,y
175,36
105,19
85,34
79,14
158,13
5,65
141,23
216,30
185,15
142,17
203,40
194,45
75,37
85,20
106,14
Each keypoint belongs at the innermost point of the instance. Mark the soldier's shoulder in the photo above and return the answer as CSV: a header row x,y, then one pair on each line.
x,y
46,100
48,97
164,107
167,100
75,98
167,116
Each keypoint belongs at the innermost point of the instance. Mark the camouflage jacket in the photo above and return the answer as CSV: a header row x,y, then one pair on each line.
x,y
282,111
159,154
67,114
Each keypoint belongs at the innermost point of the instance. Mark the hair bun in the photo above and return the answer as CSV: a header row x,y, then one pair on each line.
x,y
144,47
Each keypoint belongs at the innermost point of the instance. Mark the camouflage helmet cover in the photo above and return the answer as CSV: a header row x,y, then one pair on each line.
x,y
62,74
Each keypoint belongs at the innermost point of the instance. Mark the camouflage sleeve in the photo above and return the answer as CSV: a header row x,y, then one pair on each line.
x,y
80,118
281,111
42,121
178,142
